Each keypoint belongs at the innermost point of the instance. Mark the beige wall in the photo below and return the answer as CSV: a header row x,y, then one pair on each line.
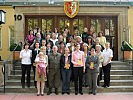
x,y
4,51
130,23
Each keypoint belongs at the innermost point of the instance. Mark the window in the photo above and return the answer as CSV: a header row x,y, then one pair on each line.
x,y
0,39
11,35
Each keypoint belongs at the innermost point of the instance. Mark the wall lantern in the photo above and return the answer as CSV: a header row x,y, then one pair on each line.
x,y
2,17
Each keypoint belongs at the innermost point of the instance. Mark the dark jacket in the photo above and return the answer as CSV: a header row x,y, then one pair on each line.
x,y
62,60
84,37
94,59
54,61
34,54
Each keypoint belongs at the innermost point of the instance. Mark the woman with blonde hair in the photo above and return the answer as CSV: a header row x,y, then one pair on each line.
x,y
41,64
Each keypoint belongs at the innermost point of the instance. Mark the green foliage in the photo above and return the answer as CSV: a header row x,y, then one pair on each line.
x,y
13,46
127,47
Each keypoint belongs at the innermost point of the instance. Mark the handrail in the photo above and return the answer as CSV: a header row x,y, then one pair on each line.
x,y
5,61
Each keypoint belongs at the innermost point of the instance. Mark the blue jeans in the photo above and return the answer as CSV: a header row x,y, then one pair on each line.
x,y
66,75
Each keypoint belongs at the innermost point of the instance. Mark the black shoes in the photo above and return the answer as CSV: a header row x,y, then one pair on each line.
x,y
81,93
56,91
49,92
76,93
94,93
90,92
68,93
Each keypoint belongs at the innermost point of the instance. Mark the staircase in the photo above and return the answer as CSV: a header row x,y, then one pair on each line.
x,y
121,80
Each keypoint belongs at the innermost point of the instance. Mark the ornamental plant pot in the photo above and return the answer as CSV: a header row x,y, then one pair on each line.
x,y
128,55
16,50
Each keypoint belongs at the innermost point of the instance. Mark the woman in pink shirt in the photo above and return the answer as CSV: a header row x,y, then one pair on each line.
x,y
30,37
78,68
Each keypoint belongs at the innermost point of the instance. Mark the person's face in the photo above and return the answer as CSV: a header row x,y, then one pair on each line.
x,y
41,56
98,49
62,45
100,34
48,37
31,32
37,45
89,40
43,42
54,49
48,45
85,29
97,41
43,50
78,40
66,50
38,35
77,47
64,34
26,47
107,45
85,47
92,52
53,36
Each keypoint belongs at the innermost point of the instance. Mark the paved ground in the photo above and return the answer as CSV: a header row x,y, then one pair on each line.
x,y
99,96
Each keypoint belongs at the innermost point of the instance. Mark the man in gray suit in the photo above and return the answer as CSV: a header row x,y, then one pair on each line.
x,y
92,63
54,70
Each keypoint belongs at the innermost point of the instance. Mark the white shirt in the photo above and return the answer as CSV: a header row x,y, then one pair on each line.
x,y
26,56
54,41
107,53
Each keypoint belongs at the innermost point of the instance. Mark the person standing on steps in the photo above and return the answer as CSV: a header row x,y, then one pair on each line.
x,y
78,68
108,55
54,70
25,56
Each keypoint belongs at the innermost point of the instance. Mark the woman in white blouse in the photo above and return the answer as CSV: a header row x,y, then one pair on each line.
x,y
102,39
25,56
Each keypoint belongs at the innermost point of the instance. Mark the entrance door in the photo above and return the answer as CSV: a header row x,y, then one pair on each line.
x,y
106,24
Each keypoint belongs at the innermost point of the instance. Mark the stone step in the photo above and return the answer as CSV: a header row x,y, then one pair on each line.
x,y
121,72
19,89
119,82
119,67
113,72
121,77
112,83
17,77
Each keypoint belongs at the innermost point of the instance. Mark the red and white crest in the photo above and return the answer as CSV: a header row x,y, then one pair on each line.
x,y
71,8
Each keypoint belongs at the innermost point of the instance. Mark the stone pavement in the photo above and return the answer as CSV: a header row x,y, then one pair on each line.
x,y
99,96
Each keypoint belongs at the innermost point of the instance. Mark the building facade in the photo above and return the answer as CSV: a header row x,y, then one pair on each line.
x,y
114,21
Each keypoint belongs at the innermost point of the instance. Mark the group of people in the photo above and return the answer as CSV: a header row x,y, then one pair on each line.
x,y
62,58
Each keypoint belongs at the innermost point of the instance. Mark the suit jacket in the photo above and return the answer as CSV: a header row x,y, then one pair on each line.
x,y
54,61
34,54
94,59
62,60
48,52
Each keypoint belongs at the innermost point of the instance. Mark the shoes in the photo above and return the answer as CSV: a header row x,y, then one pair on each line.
x,y
90,92
68,93
42,94
86,85
94,93
49,92
56,91
38,94
81,93
104,86
63,93
76,93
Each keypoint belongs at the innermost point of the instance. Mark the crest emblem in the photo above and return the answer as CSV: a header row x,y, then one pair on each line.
x,y
71,8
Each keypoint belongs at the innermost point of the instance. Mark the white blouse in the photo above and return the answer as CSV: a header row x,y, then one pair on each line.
x,y
26,56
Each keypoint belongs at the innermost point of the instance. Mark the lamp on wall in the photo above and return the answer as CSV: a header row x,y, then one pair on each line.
x,y
2,17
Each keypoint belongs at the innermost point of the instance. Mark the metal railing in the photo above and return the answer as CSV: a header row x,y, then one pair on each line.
x,y
5,61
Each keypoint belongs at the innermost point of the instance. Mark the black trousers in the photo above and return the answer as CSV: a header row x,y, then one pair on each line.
x,y
25,68
99,76
34,71
106,71
78,78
